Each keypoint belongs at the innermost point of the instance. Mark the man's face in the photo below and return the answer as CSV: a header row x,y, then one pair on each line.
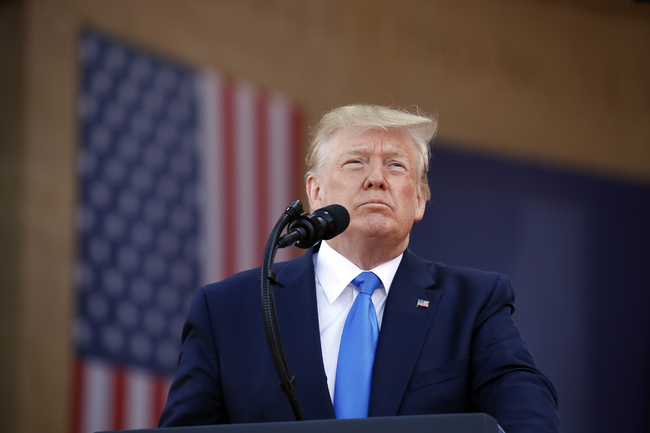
x,y
374,176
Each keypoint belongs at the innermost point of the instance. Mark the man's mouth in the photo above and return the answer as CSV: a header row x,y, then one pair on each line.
x,y
375,203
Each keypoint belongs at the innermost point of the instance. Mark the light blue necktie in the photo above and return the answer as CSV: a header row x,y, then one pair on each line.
x,y
357,352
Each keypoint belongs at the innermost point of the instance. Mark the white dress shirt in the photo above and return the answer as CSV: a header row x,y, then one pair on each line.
x,y
335,295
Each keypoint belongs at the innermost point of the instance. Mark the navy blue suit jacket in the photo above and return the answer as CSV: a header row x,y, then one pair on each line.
x,y
462,353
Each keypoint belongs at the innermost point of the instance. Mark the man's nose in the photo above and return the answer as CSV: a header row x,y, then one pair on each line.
x,y
375,176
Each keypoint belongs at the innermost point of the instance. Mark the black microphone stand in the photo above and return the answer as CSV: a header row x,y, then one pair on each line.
x,y
273,337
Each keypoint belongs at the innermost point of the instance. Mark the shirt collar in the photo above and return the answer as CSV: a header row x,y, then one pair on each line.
x,y
335,272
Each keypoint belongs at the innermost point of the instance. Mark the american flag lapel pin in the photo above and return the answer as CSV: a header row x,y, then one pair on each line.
x,y
422,303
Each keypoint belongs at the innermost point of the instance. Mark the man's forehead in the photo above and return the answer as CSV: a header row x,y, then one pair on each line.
x,y
387,149
360,141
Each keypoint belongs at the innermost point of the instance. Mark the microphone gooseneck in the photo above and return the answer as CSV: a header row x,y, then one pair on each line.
x,y
304,231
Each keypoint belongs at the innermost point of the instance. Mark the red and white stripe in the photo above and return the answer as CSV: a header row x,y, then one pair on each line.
x,y
251,168
112,397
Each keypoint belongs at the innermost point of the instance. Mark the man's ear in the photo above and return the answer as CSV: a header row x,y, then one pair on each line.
x,y
420,205
313,191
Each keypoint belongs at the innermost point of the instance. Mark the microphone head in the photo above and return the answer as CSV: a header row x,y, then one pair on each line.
x,y
336,218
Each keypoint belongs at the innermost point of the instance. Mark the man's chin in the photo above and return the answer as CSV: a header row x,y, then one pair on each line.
x,y
374,226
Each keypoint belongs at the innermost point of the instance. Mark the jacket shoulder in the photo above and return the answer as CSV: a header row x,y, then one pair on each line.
x,y
247,282
467,285
443,273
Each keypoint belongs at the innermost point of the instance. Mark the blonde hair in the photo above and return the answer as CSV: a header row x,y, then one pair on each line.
x,y
421,127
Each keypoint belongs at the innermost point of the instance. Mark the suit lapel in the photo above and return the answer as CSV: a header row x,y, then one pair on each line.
x,y
295,303
404,326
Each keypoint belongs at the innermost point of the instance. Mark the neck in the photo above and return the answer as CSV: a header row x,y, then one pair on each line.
x,y
368,253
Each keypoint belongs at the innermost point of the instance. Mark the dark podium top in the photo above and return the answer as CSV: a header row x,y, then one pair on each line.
x,y
455,423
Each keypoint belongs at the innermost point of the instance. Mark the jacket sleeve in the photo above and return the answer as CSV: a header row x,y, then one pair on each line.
x,y
195,397
505,381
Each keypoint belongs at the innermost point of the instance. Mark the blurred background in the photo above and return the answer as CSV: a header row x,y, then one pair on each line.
x,y
117,200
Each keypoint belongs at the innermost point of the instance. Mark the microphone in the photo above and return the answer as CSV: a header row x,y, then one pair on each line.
x,y
308,229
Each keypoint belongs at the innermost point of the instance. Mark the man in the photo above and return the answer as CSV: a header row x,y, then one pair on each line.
x,y
437,339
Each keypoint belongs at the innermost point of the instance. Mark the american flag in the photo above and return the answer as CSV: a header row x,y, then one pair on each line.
x,y
183,173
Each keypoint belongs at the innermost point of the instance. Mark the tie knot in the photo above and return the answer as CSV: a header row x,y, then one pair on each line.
x,y
367,282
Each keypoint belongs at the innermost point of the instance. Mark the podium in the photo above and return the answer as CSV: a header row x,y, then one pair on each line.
x,y
452,423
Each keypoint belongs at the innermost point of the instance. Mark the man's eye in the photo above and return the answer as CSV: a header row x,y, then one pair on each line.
x,y
397,164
